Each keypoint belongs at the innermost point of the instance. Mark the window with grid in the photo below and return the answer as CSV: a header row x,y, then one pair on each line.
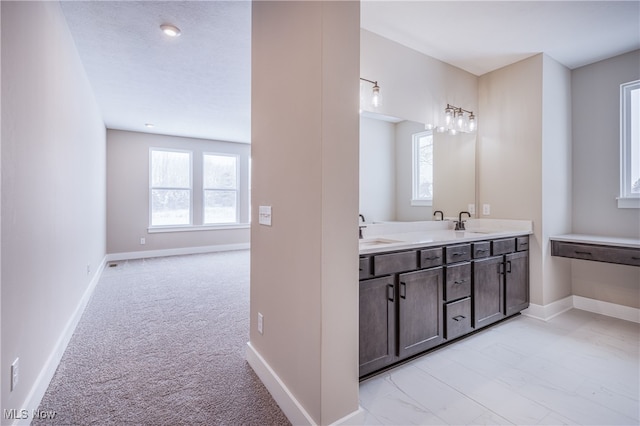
x,y
422,169
629,145
220,188
170,187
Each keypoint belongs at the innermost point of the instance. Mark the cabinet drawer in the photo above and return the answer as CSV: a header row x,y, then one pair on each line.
x,y
458,253
395,262
457,318
458,281
522,243
609,254
482,249
507,245
430,258
365,267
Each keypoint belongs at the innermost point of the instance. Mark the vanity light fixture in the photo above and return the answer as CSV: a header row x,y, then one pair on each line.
x,y
170,30
455,121
376,98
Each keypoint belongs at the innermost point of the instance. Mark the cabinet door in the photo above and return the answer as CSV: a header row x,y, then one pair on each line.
x,y
488,278
516,282
377,323
420,311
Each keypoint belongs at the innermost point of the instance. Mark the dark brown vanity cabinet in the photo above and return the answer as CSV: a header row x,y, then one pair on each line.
x,y
419,311
501,282
414,300
516,288
377,323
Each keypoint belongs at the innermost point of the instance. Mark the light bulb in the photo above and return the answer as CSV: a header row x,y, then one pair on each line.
x,y
375,99
459,120
448,116
472,123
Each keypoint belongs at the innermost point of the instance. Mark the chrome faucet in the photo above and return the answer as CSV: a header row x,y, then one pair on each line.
x,y
460,223
441,214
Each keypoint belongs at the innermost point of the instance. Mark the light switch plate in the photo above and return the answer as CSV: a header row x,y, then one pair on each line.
x,y
264,215
486,209
471,208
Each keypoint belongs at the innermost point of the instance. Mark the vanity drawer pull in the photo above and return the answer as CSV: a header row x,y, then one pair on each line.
x,y
482,251
390,291
458,318
457,254
585,253
431,258
460,282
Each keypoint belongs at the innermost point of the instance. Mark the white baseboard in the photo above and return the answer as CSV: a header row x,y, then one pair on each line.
x,y
112,257
546,312
355,418
614,310
43,380
289,405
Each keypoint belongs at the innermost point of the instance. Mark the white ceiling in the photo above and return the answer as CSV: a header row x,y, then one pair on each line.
x,y
199,84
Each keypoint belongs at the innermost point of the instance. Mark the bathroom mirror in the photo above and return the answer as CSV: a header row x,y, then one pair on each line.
x,y
386,171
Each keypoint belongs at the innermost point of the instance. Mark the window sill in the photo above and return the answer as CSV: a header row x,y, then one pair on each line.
x,y
421,203
629,203
191,228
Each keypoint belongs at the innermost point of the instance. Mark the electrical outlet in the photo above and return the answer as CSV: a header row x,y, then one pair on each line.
x,y
486,209
14,373
471,208
88,269
143,241
260,323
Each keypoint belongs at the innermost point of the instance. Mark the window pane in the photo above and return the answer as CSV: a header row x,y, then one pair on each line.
x,y
170,169
219,172
220,206
170,207
635,141
425,167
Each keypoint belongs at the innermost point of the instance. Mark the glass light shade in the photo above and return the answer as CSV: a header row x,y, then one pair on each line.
x,y
472,123
376,99
448,116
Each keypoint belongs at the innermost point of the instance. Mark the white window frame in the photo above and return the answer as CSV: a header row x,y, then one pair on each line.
x,y
236,189
627,199
415,181
151,188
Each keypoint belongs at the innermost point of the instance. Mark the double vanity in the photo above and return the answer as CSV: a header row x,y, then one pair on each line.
x,y
424,284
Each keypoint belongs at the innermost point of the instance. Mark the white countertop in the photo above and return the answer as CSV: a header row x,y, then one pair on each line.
x,y
407,235
598,240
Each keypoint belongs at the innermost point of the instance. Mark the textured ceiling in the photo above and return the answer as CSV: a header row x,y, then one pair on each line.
x,y
199,84
196,85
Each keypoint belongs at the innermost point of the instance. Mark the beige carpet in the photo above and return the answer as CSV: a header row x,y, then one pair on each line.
x,y
162,342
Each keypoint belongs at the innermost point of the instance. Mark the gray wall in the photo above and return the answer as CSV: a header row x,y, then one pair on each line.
x,y
596,179
128,194
377,170
53,192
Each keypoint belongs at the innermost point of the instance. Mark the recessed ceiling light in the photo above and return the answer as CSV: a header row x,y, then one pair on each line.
x,y
149,125
170,30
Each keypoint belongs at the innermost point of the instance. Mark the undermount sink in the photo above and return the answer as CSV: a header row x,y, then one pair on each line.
x,y
377,241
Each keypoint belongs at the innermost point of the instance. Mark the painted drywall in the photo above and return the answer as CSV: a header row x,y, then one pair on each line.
x,y
53,192
128,193
305,155
377,169
596,178
556,175
417,88
509,151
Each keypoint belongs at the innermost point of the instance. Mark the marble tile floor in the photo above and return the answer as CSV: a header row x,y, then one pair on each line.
x,y
578,368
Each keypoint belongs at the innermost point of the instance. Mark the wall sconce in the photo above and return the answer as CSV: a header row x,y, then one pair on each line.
x,y
455,121
376,98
